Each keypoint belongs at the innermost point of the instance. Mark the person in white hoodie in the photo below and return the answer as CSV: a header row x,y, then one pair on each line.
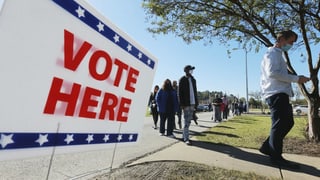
x,y
276,89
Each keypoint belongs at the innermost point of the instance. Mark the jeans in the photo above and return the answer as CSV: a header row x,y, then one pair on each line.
x,y
282,122
187,114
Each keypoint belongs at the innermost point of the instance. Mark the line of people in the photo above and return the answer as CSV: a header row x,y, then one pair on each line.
x,y
220,106
174,99
276,89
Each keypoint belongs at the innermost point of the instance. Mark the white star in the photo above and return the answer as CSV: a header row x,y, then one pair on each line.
x,y
89,138
42,139
130,137
119,137
5,140
69,138
100,27
106,138
149,61
116,38
129,47
80,12
140,55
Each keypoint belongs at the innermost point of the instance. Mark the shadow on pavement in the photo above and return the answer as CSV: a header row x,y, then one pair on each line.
x,y
222,134
251,157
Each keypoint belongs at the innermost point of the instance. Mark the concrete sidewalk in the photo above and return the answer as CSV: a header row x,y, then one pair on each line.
x,y
229,157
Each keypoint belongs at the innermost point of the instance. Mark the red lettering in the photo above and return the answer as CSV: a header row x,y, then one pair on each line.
x,y
132,79
55,95
123,109
109,104
89,102
93,65
121,67
117,108
72,61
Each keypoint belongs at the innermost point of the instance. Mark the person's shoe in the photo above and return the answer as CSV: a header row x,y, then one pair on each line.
x,y
155,127
188,143
172,136
161,134
264,151
282,163
195,121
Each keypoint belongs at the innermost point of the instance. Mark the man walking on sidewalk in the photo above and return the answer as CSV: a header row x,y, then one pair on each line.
x,y
276,89
188,99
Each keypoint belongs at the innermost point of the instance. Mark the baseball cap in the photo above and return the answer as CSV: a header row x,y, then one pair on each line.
x,y
188,67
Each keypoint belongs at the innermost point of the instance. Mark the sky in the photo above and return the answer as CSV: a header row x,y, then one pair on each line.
x,y
214,70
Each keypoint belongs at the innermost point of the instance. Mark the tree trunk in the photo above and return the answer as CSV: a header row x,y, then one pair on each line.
x,y
313,118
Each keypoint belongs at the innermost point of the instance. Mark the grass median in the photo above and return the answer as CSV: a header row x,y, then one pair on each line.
x,y
249,131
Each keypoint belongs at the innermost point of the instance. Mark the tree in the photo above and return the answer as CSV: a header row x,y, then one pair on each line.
x,y
253,24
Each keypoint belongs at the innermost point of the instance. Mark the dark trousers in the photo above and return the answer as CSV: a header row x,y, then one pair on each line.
x,y
155,116
169,118
282,122
225,113
179,113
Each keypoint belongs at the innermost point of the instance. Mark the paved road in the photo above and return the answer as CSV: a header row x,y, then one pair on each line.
x,y
87,164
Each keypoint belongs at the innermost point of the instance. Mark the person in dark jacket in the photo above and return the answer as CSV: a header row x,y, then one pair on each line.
x,y
153,106
179,113
167,102
188,99
217,102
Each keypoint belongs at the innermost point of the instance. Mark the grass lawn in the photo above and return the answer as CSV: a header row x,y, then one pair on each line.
x,y
249,131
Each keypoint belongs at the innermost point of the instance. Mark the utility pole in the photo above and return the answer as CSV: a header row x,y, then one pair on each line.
x,y
246,58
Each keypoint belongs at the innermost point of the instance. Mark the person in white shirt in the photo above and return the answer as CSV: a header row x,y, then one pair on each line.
x,y
276,88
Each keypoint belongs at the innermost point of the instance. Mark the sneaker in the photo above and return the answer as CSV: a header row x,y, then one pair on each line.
x,y
188,143
282,163
155,127
161,134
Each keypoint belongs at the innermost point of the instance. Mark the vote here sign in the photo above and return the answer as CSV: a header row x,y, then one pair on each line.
x,y
69,79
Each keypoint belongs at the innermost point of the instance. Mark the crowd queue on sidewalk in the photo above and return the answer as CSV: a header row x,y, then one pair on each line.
x,y
276,85
177,98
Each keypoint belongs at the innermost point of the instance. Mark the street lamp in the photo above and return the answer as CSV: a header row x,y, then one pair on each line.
x,y
246,68
246,57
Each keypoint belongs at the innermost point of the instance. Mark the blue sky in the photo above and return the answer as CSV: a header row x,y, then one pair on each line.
x,y
214,70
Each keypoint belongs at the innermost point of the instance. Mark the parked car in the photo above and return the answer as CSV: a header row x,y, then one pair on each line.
x,y
300,109
202,108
